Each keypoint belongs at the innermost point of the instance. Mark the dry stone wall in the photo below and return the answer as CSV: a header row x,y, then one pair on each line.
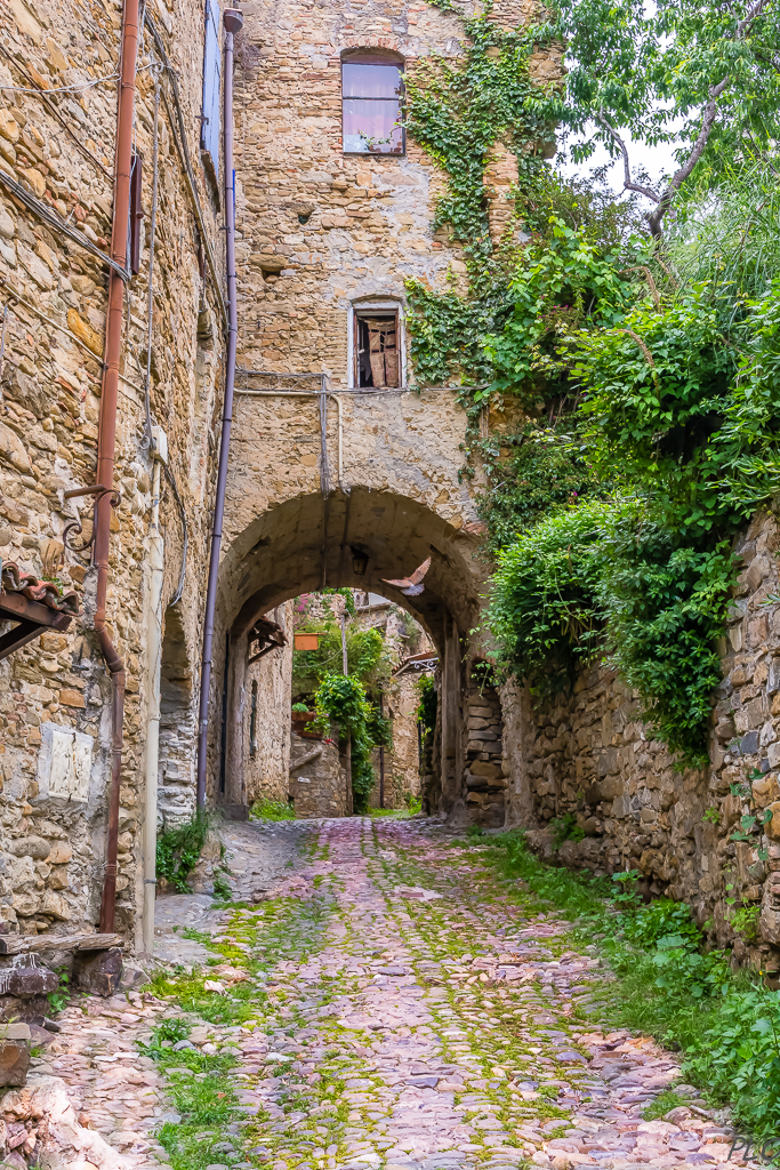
x,y
587,759
53,693
318,779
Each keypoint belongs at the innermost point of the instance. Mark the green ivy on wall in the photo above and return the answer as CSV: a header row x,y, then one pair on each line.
x,y
458,113
646,373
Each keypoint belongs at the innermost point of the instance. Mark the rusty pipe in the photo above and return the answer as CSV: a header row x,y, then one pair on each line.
x,y
107,437
233,20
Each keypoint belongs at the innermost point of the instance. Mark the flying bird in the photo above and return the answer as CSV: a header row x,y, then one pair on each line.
x,y
411,585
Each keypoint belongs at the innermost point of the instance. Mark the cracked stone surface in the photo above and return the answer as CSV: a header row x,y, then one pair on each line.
x,y
402,1012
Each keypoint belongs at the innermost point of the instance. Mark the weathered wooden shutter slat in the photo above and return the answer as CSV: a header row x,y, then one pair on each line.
x,y
212,67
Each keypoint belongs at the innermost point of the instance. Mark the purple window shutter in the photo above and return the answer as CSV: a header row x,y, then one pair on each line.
x,y
212,64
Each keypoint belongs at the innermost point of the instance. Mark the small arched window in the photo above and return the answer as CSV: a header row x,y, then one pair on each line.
x,y
371,96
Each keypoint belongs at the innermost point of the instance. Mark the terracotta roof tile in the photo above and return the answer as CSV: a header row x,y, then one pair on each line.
x,y
15,580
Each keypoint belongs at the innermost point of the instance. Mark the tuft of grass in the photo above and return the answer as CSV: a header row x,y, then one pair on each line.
x,y
271,810
179,849
664,1103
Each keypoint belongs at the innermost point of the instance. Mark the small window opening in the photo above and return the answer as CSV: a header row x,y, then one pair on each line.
x,y
136,214
253,722
377,349
372,95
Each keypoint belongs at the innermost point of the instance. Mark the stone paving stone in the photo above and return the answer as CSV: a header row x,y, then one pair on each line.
x,y
425,1032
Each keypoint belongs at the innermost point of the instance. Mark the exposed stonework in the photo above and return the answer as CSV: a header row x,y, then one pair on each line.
x,y
589,755
54,716
318,779
266,717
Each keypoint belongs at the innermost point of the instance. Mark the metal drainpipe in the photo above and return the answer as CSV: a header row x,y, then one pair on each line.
x,y
233,21
107,437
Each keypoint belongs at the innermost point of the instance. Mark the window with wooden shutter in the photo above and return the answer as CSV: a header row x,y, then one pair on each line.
x,y
210,118
377,348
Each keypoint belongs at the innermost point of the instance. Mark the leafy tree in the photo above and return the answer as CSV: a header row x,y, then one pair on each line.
x,y
700,75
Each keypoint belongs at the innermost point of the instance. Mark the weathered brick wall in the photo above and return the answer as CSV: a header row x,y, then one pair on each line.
x,y
588,754
62,151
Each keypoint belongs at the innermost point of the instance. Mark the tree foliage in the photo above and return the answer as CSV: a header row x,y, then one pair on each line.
x,y
703,77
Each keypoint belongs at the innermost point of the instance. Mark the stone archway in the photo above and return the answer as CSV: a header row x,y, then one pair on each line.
x,y
307,543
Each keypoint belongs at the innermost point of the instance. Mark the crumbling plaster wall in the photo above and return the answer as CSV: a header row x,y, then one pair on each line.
x,y
51,856
589,754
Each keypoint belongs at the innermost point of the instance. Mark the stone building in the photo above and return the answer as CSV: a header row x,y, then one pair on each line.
x,y
339,472
59,61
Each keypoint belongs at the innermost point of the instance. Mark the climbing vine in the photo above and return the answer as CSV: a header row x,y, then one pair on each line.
x,y
643,372
458,113
341,703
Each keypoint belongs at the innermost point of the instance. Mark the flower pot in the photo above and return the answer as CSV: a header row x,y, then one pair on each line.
x,y
301,724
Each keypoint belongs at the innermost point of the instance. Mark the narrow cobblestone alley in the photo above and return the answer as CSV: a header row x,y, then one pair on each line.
x,y
386,1003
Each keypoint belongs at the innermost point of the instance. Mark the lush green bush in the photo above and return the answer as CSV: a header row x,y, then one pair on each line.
x,y
544,608
179,849
366,655
678,420
341,702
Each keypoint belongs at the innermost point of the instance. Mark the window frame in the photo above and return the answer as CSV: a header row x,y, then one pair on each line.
x,y
366,308
211,101
373,57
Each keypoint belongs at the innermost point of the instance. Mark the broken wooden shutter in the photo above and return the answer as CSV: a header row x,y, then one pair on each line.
x,y
212,64
383,350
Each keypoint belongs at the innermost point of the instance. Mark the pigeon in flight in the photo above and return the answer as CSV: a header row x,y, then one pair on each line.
x,y
411,585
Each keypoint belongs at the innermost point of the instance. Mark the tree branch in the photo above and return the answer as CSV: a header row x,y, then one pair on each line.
x,y
655,218
628,184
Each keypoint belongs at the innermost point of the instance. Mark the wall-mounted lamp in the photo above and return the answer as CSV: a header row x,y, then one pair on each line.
x,y
359,560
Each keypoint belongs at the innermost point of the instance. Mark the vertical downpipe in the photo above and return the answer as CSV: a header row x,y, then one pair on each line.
x,y
153,616
107,439
233,21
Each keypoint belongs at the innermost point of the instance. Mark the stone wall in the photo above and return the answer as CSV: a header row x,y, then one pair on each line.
x,y
401,758
588,757
318,779
54,692
266,761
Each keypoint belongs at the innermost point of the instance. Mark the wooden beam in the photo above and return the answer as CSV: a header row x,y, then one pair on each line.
x,y
16,605
13,944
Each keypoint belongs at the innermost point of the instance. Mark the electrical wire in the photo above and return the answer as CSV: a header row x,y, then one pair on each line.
x,y
180,141
77,88
150,277
52,108
50,321
169,476
54,221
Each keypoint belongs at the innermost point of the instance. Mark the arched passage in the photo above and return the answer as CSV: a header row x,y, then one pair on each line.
x,y
309,543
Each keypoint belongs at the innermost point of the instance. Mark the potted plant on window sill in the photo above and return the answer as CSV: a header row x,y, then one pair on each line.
x,y
302,719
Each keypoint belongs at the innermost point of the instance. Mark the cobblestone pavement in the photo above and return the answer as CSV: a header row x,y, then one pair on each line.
x,y
399,1011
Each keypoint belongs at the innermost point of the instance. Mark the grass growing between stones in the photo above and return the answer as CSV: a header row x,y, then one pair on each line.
x,y
272,810
210,1126
726,1024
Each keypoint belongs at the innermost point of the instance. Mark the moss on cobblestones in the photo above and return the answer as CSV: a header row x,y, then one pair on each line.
x,y
399,1002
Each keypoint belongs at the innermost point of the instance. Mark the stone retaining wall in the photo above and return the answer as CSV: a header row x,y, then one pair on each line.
x,y
587,759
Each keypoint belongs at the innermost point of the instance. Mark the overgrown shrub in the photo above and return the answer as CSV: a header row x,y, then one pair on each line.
x,y
179,849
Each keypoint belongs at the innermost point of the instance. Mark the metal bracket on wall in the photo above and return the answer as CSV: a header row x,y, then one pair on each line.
x,y
75,526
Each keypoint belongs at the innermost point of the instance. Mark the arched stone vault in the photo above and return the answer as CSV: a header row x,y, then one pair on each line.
x,y
304,544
